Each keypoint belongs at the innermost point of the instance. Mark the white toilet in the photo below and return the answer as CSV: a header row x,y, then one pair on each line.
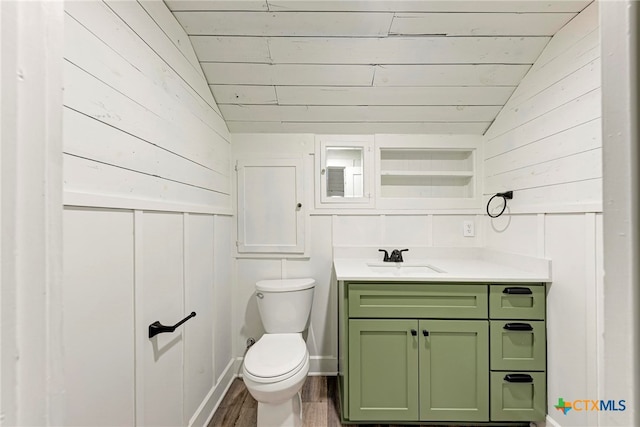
x,y
276,366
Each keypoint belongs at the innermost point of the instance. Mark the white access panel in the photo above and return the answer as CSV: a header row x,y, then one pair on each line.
x,y
270,206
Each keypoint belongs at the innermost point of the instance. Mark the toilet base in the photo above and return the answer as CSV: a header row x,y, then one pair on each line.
x,y
286,414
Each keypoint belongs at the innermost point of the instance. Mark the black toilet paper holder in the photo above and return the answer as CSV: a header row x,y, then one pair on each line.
x,y
158,328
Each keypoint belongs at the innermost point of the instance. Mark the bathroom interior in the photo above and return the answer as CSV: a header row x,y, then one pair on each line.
x,y
188,159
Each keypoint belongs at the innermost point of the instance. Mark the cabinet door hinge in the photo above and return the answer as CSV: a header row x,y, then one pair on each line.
x,y
236,167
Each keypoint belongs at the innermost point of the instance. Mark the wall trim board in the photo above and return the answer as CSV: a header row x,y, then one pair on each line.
x,y
621,219
398,212
323,365
591,301
90,200
591,207
278,256
210,404
32,388
139,324
551,422
522,209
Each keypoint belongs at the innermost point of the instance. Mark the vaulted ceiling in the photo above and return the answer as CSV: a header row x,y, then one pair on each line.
x,y
358,66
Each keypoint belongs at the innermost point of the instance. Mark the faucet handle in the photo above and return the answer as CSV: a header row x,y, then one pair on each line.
x,y
386,255
398,254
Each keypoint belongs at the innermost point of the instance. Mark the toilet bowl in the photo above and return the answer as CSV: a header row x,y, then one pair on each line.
x,y
276,366
274,371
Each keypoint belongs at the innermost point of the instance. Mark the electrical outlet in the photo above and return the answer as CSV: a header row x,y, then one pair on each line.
x,y
468,229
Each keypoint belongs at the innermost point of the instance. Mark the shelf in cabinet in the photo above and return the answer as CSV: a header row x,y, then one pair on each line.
x,y
463,174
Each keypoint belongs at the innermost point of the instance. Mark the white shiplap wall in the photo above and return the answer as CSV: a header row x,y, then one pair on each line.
x,y
139,120
546,143
144,137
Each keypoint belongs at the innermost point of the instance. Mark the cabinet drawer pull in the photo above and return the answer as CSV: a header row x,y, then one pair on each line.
x,y
414,333
518,378
517,291
425,332
518,327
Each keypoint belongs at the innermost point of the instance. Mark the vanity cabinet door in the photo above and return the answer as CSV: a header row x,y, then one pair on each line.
x,y
383,370
454,370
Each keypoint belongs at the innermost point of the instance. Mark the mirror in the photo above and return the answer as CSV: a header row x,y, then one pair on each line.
x,y
343,172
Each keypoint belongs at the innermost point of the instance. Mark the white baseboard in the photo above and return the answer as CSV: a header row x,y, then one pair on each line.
x,y
209,405
551,422
323,365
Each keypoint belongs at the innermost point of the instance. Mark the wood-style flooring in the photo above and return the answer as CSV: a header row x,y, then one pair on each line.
x,y
319,406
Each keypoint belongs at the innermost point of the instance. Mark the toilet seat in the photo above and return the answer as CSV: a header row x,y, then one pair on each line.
x,y
275,357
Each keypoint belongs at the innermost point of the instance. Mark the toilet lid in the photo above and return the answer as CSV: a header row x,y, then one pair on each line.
x,y
275,355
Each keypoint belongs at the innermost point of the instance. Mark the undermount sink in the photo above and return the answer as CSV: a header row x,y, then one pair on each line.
x,y
403,268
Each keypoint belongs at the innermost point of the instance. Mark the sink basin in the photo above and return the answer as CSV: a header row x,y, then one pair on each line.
x,y
403,268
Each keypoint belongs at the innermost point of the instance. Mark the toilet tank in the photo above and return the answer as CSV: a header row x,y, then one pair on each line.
x,y
285,304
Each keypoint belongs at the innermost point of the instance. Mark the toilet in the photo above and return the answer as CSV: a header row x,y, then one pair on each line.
x,y
276,366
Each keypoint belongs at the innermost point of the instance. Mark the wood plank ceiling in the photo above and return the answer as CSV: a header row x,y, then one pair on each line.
x,y
357,66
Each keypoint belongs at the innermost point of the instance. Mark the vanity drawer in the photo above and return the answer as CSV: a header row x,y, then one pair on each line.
x,y
402,300
518,396
523,301
519,346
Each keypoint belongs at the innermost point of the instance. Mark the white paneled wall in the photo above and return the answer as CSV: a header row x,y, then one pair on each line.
x,y
326,230
573,242
146,156
124,270
159,285
98,315
546,142
546,146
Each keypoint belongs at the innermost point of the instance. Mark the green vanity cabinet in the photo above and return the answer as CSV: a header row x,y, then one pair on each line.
x,y
434,352
399,366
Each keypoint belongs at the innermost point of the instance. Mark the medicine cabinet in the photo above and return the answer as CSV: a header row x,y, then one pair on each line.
x,y
344,172
271,211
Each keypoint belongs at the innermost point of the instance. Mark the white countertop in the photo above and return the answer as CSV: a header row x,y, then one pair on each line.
x,y
442,265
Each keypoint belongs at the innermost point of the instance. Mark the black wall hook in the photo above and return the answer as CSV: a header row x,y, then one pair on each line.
x,y
158,328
